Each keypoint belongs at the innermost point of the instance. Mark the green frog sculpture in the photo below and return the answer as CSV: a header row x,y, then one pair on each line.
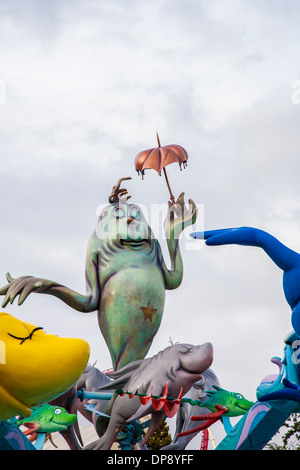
x,y
126,275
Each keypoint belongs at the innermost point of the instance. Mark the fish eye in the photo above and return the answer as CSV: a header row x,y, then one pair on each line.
x,y
119,213
57,411
187,351
135,212
26,337
239,396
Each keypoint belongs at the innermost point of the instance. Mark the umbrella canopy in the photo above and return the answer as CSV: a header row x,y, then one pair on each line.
x,y
159,157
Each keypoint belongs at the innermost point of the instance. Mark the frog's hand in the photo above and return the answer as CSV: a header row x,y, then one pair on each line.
x,y
283,257
173,228
25,285
22,286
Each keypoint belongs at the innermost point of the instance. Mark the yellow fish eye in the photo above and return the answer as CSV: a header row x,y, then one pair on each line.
x,y
27,337
24,379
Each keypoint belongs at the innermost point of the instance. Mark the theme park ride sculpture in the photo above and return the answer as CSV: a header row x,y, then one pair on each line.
x,y
285,258
38,366
206,401
126,275
154,386
35,367
126,278
46,419
279,397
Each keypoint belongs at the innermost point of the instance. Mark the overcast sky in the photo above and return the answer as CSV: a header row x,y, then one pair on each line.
x,y
84,86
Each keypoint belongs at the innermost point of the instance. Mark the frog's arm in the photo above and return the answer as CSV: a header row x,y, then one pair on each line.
x,y
173,276
173,228
25,285
83,303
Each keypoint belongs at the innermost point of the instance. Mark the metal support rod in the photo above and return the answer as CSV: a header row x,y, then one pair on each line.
x,y
83,395
165,173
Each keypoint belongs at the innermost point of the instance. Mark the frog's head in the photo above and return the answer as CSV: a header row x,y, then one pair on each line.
x,y
125,226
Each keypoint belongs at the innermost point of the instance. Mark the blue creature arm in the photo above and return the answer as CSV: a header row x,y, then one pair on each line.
x,y
285,258
290,392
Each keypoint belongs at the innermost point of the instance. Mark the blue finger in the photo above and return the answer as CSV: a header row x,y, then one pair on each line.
x,y
209,233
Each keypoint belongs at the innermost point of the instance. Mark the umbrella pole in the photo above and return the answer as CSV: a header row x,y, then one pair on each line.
x,y
169,188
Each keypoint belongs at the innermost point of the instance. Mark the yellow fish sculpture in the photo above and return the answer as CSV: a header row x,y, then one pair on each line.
x,y
35,367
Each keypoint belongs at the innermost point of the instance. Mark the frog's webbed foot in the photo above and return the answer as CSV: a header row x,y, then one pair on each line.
x,y
184,217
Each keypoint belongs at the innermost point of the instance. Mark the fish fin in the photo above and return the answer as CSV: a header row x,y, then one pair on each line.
x,y
125,370
155,420
117,384
122,376
11,404
219,389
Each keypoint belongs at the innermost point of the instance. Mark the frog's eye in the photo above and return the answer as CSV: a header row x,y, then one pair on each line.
x,y
105,214
135,212
119,213
239,396
57,411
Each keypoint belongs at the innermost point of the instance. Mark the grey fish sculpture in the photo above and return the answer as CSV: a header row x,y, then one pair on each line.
x,y
179,366
186,411
91,379
126,276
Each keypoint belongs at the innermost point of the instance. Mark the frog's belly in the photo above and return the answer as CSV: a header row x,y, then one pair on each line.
x,y
132,303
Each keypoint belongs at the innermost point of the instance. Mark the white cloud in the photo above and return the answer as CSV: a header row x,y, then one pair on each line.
x,y
87,86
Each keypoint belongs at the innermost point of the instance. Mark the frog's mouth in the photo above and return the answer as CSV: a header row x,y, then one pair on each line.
x,y
135,244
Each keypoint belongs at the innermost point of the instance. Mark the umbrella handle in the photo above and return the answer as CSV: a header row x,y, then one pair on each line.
x,y
169,188
165,173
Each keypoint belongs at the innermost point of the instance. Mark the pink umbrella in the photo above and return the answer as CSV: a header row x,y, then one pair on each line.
x,y
159,157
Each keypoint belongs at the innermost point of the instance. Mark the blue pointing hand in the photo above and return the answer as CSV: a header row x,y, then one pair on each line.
x,y
285,258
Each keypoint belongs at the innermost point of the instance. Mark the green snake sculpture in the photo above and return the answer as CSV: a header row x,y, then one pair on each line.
x,y
126,275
